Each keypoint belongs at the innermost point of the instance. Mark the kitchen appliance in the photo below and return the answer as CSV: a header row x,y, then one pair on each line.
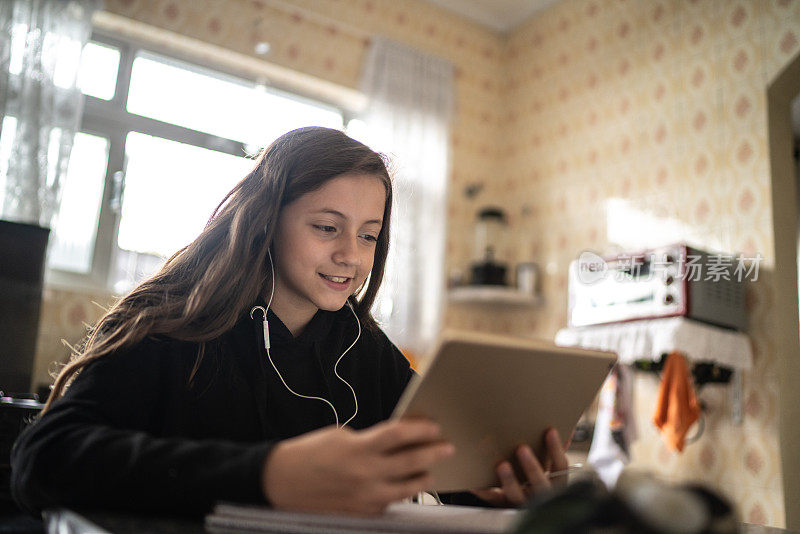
x,y
488,267
672,281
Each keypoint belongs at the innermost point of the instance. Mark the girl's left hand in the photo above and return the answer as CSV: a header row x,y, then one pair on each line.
x,y
514,492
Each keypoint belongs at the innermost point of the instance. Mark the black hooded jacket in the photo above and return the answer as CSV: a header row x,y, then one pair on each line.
x,y
130,433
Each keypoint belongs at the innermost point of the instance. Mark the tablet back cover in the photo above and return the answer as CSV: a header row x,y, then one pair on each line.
x,y
492,393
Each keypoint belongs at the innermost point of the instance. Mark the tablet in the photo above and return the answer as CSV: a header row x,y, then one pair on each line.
x,y
492,393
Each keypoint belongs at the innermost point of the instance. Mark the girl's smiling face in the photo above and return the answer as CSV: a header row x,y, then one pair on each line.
x,y
324,246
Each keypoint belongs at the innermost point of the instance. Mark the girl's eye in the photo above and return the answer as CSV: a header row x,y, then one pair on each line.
x,y
369,237
325,228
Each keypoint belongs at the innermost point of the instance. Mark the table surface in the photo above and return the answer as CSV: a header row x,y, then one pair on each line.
x,y
101,522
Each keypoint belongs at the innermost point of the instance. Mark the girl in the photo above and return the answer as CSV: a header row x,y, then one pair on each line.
x,y
249,367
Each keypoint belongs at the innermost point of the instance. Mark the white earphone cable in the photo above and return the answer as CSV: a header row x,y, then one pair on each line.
x,y
335,367
336,372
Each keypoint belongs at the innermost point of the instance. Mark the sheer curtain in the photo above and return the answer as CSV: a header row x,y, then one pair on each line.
x,y
40,49
408,116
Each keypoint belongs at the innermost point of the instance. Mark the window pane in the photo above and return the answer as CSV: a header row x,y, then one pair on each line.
x,y
358,130
170,191
128,268
7,135
202,100
18,34
67,58
75,225
98,72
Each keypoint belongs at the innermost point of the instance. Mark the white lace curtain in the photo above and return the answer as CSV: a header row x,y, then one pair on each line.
x,y
40,49
410,105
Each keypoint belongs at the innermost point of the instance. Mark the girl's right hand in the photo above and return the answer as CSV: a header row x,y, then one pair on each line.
x,y
353,471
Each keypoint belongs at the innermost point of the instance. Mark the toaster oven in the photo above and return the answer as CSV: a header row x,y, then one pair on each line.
x,y
667,282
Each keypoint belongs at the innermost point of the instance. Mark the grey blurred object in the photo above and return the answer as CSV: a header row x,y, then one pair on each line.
x,y
528,278
640,503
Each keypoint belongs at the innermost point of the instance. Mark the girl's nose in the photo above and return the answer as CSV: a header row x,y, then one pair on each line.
x,y
347,251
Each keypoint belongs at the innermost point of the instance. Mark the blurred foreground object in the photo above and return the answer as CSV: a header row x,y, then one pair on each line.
x,y
639,504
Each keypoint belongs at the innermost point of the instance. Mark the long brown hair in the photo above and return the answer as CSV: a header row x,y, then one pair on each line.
x,y
204,288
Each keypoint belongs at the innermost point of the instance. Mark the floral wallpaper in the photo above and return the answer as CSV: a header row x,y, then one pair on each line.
x,y
64,319
621,112
587,113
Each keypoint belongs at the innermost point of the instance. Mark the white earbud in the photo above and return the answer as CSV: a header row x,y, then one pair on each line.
x,y
266,325
335,367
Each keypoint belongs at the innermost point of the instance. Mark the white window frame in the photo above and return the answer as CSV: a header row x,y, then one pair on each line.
x,y
111,120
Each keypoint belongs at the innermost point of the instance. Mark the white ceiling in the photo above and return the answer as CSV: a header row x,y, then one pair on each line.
x,y
499,15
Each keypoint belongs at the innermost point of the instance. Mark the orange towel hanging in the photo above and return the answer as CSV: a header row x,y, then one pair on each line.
x,y
677,408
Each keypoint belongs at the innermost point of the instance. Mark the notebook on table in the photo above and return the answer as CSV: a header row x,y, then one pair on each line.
x,y
399,518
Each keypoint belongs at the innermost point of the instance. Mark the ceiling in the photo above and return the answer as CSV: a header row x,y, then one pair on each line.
x,y
499,15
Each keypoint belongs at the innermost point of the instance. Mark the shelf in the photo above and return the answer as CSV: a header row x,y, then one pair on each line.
x,y
492,295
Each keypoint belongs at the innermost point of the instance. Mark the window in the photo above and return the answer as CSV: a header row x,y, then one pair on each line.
x,y
182,94
161,142
75,225
97,75
171,185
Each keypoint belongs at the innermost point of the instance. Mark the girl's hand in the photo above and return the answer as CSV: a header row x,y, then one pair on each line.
x,y
356,472
515,493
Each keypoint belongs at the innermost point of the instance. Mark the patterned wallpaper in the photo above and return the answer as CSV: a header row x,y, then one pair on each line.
x,y
656,105
64,315
624,111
